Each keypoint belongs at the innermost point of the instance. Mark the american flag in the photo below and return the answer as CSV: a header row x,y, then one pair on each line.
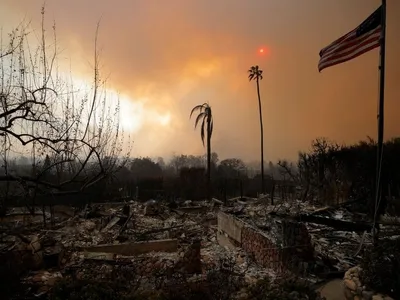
x,y
355,43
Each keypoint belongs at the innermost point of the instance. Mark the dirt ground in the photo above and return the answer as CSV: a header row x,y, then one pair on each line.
x,y
333,290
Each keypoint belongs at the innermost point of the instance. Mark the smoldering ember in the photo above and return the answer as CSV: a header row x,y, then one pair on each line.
x,y
155,245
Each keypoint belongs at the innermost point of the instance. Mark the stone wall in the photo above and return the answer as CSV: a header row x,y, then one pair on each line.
x,y
291,249
355,290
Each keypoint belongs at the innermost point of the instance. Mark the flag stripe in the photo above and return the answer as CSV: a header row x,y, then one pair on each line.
x,y
339,42
351,50
362,39
350,57
351,42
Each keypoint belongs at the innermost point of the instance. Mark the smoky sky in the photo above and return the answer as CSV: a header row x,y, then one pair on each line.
x,y
167,56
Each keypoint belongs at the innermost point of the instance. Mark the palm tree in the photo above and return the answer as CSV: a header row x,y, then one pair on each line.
x,y
205,116
255,73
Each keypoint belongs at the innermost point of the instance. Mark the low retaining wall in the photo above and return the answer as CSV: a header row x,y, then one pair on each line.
x,y
186,261
263,250
231,226
193,209
290,251
136,248
355,290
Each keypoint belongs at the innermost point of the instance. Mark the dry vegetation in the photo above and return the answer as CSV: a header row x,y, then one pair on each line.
x,y
73,138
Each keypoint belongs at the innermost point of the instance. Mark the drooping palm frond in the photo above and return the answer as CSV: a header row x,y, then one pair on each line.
x,y
200,108
202,131
204,114
211,126
206,128
199,117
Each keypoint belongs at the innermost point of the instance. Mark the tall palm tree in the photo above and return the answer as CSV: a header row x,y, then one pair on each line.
x,y
255,73
206,129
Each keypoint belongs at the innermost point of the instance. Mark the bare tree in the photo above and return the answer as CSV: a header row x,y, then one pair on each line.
x,y
73,134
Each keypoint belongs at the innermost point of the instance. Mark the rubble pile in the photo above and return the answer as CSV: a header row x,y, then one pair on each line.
x,y
354,289
190,259
103,242
340,250
145,245
323,237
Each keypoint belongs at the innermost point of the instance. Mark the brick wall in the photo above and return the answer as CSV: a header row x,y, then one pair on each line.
x,y
296,243
262,249
291,248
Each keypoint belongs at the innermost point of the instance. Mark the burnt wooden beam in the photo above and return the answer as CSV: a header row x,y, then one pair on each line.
x,y
334,223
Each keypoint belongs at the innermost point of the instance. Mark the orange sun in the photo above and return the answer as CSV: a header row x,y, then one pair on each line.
x,y
263,51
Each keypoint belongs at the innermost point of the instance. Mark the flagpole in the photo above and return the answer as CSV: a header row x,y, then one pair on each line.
x,y
381,116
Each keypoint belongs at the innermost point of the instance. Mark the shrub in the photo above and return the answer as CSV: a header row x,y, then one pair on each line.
x,y
381,267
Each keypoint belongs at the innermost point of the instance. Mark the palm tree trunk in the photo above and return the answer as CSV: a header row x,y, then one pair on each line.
x,y
209,157
262,140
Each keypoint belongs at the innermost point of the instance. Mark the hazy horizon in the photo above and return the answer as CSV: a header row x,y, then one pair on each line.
x,y
164,58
